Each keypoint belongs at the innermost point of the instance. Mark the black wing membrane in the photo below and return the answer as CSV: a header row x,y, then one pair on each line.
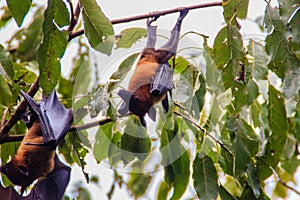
x,y
51,188
54,185
55,119
163,80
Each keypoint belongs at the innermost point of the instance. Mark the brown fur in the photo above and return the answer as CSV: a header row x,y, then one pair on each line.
x,y
140,81
38,159
31,162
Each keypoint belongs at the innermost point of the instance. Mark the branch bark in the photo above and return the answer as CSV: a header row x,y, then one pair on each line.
x,y
17,138
153,14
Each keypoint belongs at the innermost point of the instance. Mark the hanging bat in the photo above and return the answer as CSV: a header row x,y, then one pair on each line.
x,y
51,188
48,124
153,76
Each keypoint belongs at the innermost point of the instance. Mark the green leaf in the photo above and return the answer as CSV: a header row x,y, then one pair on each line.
x,y
182,174
98,29
282,60
130,36
294,22
224,194
253,92
74,151
102,141
259,69
114,149
64,88
135,141
297,122
229,56
198,98
50,51
18,10
233,9
241,156
8,150
186,82
138,183
26,41
81,74
175,161
99,101
5,16
205,177
6,94
228,46
6,66
279,125
253,180
61,13
163,191
212,73
247,194
249,137
287,8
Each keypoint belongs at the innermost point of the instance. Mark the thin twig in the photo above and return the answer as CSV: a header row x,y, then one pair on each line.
x,y
16,138
202,129
289,187
77,11
72,21
74,16
153,14
21,108
90,125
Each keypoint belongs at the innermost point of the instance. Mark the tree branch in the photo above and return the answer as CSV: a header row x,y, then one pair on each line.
x,y
153,14
202,129
17,138
21,108
289,187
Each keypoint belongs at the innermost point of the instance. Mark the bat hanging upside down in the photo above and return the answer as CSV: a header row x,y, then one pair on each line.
x,y
153,76
35,158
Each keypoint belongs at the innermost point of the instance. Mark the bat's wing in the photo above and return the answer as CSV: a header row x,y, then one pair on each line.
x,y
54,185
125,95
163,80
55,120
51,188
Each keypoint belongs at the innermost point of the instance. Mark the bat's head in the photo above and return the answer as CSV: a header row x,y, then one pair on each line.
x,y
18,175
137,102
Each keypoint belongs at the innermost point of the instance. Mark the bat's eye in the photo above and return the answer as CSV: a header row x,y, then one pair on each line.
x,y
134,98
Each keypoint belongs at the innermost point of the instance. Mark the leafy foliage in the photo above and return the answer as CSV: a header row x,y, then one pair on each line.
x,y
231,127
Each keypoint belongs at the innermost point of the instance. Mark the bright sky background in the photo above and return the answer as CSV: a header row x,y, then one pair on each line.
x,y
207,21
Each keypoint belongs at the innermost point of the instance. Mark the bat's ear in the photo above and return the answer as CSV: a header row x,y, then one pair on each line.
x,y
125,95
152,113
23,170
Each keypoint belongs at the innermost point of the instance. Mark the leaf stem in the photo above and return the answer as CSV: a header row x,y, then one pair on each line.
x,y
204,130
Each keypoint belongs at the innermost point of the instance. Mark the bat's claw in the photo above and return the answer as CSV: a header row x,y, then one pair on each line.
x,y
151,19
183,13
